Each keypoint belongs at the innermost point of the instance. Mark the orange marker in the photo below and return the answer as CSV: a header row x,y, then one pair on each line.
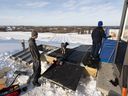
x,y
124,91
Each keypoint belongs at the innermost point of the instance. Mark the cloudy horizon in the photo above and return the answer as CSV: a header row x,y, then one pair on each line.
x,y
60,12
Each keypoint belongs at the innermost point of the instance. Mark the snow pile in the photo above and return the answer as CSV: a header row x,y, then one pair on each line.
x,y
54,39
86,87
62,38
4,61
15,35
82,38
9,46
72,38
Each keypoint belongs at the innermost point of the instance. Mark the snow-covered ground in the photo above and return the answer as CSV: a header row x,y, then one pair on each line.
x,y
10,43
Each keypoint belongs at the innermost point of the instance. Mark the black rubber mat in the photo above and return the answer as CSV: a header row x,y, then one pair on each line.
x,y
75,55
66,75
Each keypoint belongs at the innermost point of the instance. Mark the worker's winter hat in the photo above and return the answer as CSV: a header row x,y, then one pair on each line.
x,y
34,33
100,23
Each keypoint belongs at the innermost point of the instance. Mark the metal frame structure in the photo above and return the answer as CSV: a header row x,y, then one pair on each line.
x,y
123,74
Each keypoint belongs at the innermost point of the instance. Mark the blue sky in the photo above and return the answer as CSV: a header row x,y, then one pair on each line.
x,y
60,12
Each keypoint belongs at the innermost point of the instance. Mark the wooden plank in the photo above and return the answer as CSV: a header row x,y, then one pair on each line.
x,y
50,59
90,71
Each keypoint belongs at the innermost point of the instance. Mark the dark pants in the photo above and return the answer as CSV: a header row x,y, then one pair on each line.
x,y
95,50
36,71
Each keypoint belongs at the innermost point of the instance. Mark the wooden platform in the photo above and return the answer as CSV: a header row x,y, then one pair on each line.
x,y
89,71
105,74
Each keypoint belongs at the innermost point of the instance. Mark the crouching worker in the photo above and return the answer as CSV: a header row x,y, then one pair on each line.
x,y
60,60
36,60
63,47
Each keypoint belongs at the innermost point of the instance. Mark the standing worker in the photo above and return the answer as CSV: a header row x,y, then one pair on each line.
x,y
23,44
97,34
35,58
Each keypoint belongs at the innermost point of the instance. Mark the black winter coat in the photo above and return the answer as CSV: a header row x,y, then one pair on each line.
x,y
97,35
34,49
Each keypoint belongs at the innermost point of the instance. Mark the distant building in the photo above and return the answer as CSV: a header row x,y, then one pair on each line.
x,y
2,28
8,29
13,28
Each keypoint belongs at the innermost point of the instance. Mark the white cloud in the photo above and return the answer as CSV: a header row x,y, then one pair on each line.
x,y
88,17
72,12
11,17
39,4
88,12
76,4
70,4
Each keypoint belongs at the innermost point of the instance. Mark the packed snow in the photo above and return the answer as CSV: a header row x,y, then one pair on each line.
x,y
10,42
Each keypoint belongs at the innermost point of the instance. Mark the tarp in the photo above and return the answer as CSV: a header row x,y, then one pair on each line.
x,y
78,54
108,50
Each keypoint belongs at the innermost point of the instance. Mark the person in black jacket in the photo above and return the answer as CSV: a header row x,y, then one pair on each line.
x,y
97,35
35,58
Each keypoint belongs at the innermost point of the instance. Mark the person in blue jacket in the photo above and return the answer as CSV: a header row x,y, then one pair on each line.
x,y
97,35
